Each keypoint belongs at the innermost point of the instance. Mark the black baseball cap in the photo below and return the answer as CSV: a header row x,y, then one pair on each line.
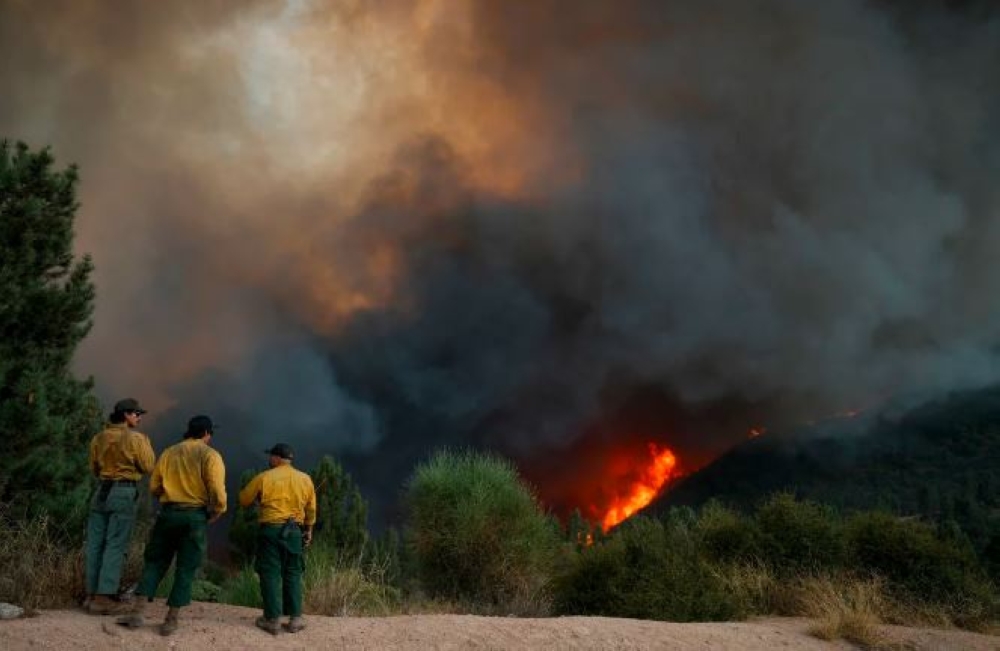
x,y
201,423
128,404
282,450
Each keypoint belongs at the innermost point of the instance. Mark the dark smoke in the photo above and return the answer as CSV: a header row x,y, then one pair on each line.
x,y
722,214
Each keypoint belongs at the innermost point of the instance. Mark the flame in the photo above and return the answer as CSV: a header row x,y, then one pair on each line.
x,y
661,468
756,431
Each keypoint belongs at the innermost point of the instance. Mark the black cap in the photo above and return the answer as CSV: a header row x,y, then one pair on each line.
x,y
199,424
128,404
282,450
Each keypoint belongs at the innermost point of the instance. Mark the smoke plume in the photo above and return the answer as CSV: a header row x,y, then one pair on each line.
x,y
549,229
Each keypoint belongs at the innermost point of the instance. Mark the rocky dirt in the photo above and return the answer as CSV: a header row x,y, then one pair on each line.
x,y
216,627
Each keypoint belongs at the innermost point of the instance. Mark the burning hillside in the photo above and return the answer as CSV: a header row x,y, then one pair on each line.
x,y
381,228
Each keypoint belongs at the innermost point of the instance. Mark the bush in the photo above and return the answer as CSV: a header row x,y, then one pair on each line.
x,y
799,537
846,608
646,570
36,570
201,588
477,534
242,589
242,531
338,585
726,536
921,566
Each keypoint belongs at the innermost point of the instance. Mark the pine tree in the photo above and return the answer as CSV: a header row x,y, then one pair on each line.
x,y
46,300
243,528
343,512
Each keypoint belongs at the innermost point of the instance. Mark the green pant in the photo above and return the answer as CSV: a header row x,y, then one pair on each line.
x,y
180,533
109,528
280,564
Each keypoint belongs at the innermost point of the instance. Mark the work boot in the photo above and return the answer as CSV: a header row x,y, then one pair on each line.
x,y
169,625
102,604
272,626
134,619
295,624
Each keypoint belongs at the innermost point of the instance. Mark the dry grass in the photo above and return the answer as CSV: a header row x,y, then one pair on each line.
x,y
756,587
339,586
846,608
35,571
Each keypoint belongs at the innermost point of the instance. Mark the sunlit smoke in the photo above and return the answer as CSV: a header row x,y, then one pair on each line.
x,y
379,228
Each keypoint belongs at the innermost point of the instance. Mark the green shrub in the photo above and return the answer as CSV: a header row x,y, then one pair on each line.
x,y
477,534
242,589
201,588
645,570
799,536
727,536
917,561
242,531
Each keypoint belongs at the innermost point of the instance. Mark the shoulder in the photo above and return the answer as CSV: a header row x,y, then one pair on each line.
x,y
304,476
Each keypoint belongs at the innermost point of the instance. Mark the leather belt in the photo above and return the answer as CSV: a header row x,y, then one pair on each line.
x,y
118,482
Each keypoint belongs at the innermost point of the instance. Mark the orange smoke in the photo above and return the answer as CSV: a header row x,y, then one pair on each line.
x,y
660,468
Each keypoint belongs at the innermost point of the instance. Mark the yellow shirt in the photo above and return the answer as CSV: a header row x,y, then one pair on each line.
x,y
193,474
284,492
121,453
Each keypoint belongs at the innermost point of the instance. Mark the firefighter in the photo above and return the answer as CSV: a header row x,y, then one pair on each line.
x,y
190,481
119,456
286,517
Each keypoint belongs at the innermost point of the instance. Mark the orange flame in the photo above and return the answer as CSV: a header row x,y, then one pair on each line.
x,y
642,491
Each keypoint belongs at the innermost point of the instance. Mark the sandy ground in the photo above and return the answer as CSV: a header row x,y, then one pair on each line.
x,y
214,627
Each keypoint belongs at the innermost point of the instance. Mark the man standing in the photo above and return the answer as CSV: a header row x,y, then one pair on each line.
x,y
119,456
287,514
190,481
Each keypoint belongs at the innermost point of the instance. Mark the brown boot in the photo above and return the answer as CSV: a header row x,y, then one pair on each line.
x,y
134,619
169,625
295,624
102,604
272,626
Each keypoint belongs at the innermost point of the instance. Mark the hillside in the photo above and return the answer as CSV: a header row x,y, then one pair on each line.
x,y
940,460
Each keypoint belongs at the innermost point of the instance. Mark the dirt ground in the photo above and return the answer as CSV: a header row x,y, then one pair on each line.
x,y
215,627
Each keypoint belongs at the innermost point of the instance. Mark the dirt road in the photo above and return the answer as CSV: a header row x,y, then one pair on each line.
x,y
215,627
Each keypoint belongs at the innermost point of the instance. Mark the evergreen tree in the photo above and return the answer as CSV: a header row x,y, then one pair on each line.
x,y
46,300
342,523
243,528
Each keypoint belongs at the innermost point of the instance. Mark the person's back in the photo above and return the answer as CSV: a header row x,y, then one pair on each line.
x,y
285,492
287,513
119,457
187,475
190,482
120,453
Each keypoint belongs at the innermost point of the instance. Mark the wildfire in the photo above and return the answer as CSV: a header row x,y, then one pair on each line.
x,y
661,468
